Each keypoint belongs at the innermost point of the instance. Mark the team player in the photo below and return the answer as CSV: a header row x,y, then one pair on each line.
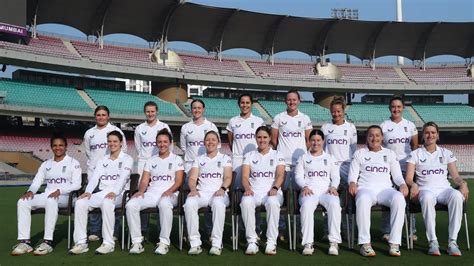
x,y
209,181
370,182
317,175
95,145
241,135
111,174
340,143
290,133
262,177
431,164
62,175
159,185
192,134
399,135
145,143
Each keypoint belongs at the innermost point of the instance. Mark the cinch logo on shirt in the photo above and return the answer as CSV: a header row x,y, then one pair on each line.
x,y
196,143
292,134
161,178
433,172
262,174
337,141
245,136
58,180
398,140
109,177
376,169
149,144
211,175
317,174
98,146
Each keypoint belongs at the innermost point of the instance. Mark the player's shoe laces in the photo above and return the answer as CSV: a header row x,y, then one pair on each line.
x,y
270,249
104,249
162,249
394,250
308,249
21,248
366,250
136,248
195,250
43,249
434,248
215,251
453,249
252,249
79,249
333,249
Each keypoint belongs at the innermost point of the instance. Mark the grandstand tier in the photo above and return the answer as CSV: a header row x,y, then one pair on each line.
x,y
372,113
446,113
220,108
43,96
316,113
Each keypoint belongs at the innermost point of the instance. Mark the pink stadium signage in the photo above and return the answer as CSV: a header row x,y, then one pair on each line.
x,y
12,29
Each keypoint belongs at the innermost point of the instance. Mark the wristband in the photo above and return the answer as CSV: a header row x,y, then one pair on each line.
x,y
224,189
275,188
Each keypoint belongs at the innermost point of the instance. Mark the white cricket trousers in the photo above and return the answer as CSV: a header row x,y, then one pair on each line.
x,y
191,208
107,208
389,197
151,199
333,208
51,207
272,206
446,196
237,169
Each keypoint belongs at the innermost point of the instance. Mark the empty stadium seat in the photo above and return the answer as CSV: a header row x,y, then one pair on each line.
x,y
446,113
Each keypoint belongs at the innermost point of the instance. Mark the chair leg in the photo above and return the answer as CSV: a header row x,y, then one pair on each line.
x,y
69,232
467,232
406,231
123,232
290,240
180,232
353,231
411,230
348,234
295,237
233,232
237,232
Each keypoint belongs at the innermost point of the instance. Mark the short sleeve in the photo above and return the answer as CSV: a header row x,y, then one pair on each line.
x,y
413,130
179,163
247,158
450,156
227,161
146,168
276,122
308,123
412,157
280,159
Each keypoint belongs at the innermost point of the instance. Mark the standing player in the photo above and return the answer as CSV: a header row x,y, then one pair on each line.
x,y
241,135
162,177
192,134
400,136
111,174
262,177
370,182
209,180
341,143
290,133
145,144
432,164
95,144
317,174
62,175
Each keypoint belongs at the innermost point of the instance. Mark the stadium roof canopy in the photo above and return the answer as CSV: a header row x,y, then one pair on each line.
x,y
220,29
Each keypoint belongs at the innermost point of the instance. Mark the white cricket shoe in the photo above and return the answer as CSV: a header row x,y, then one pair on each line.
x,y
43,249
195,250
252,249
79,249
104,249
136,249
21,248
308,249
333,249
162,249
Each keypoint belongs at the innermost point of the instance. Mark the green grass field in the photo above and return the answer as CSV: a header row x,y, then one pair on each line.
x,y
418,256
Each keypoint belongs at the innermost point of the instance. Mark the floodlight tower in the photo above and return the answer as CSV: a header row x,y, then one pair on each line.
x,y
345,13
399,19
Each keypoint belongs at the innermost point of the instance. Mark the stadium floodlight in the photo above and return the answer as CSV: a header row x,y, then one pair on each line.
x,y
345,13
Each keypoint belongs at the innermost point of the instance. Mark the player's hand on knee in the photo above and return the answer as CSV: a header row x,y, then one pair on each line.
x,y
414,191
219,193
110,196
403,189
307,192
353,189
248,192
85,195
28,195
168,193
55,194
194,193
333,191
138,194
464,190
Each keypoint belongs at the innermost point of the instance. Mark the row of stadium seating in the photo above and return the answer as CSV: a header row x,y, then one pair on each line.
x,y
40,147
206,64
131,103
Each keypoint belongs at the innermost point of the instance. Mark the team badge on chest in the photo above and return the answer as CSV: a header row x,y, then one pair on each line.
x,y
440,159
271,162
252,125
406,129
170,165
299,123
64,169
385,158
219,164
325,162
345,132
120,165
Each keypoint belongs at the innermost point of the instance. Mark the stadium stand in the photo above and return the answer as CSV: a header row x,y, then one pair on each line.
x,y
43,96
360,73
130,103
438,74
316,113
43,45
209,65
272,107
223,108
285,71
371,113
446,113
